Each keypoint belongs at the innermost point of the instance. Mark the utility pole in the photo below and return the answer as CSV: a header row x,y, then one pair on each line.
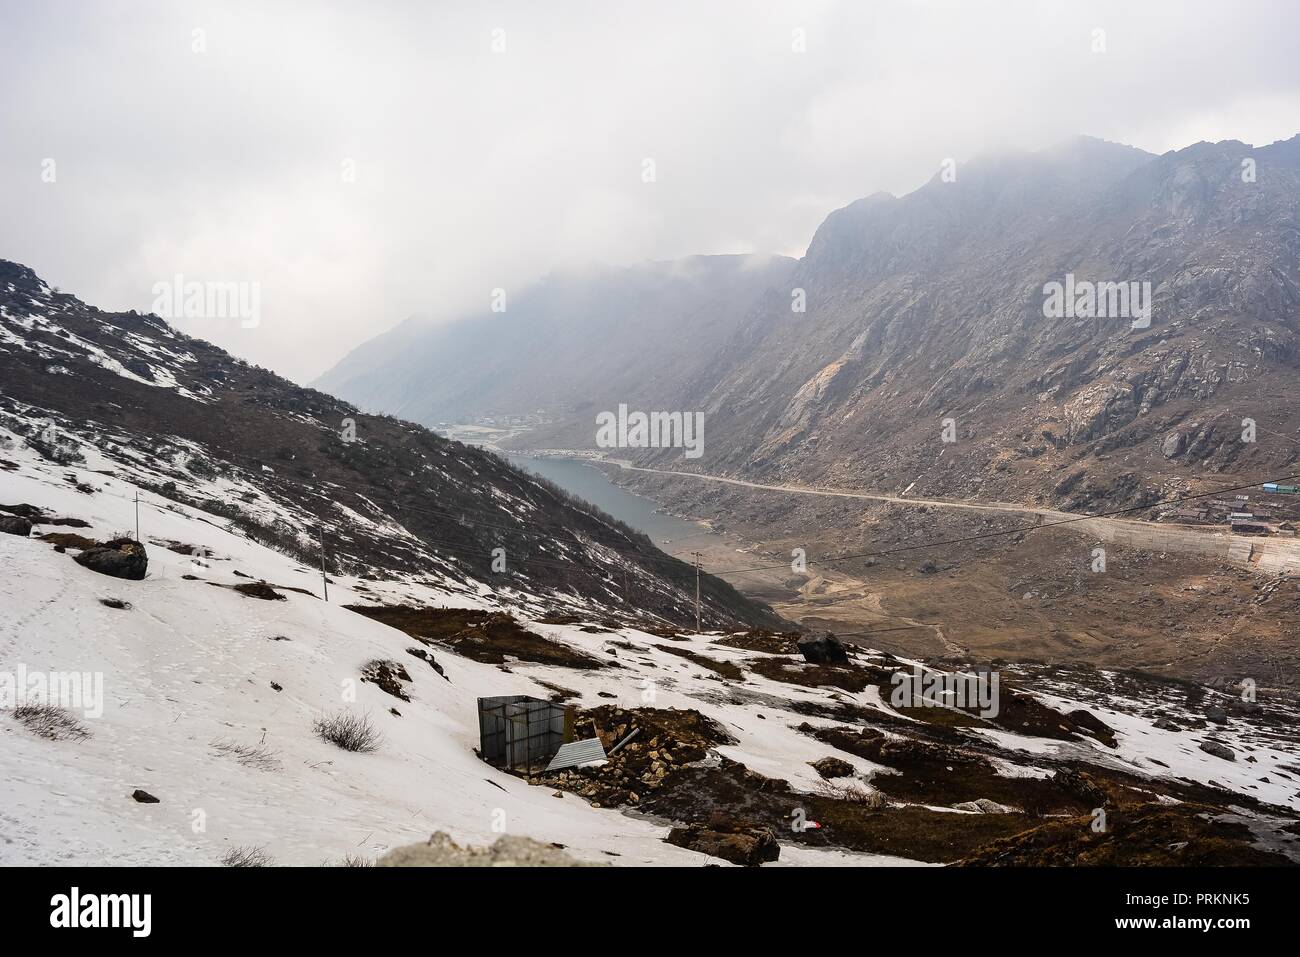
x,y
324,579
137,516
698,629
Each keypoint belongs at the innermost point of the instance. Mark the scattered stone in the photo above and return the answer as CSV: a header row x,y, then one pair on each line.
x,y
144,797
984,806
276,687
115,603
1219,750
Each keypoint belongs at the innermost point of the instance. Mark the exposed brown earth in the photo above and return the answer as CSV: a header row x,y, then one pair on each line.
x,y
488,637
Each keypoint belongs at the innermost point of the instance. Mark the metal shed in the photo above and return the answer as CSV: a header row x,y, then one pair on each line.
x,y
519,732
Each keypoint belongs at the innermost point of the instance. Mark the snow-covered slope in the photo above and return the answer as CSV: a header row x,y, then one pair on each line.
x,y
191,670
189,423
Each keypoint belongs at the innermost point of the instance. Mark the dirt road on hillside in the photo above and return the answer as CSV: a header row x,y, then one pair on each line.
x,y
1268,556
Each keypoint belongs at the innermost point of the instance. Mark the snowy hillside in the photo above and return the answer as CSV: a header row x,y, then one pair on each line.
x,y
210,695
187,422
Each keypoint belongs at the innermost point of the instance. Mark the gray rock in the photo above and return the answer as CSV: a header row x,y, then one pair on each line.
x,y
1219,750
15,525
1172,446
824,651
120,558
984,806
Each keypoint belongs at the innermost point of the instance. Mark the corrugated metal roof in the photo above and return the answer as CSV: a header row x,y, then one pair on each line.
x,y
577,752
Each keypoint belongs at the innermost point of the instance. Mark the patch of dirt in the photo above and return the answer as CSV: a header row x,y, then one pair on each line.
x,y
68,540
724,669
698,795
1151,835
852,678
771,642
941,775
488,637
258,590
559,693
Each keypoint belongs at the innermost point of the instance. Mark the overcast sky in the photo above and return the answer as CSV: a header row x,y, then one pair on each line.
x,y
478,168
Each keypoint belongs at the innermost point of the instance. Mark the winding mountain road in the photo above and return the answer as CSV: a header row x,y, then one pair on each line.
x,y
1272,556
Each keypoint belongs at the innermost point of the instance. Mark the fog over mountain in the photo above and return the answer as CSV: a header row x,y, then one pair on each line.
x,y
910,313
365,165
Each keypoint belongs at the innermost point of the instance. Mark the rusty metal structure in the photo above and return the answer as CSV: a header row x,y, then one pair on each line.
x,y
521,733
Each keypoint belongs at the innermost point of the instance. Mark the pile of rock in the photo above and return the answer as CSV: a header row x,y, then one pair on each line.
x,y
729,840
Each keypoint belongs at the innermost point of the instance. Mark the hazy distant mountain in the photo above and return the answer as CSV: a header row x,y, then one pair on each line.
x,y
931,307
926,308
573,344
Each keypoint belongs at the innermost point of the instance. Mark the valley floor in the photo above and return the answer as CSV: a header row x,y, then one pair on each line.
x,y
979,581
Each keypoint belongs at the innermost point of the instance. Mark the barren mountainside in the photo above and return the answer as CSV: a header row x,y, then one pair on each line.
x,y
930,307
574,344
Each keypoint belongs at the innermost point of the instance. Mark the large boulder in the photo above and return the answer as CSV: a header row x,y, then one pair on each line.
x,y
120,558
15,525
748,847
833,767
824,651
1219,750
